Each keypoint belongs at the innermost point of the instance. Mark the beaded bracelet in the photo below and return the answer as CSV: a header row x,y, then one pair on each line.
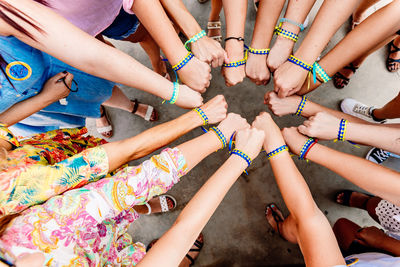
x,y
301,106
255,51
307,145
175,94
317,69
243,156
202,115
238,63
286,34
220,135
300,25
194,39
342,130
183,62
277,151
299,63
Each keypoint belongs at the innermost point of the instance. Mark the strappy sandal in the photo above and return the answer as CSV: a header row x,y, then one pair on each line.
x,y
215,25
163,203
151,113
339,80
277,218
346,198
105,131
390,62
256,4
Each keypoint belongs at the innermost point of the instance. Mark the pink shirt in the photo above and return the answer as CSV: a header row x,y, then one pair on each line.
x,y
92,16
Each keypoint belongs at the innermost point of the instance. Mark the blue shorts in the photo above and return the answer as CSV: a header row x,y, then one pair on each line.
x,y
123,26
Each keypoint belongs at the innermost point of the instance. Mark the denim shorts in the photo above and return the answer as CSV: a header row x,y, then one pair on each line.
x,y
123,26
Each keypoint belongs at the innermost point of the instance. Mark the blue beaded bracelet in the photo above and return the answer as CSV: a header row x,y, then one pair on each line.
x,y
277,151
175,94
183,62
202,115
220,136
301,106
299,63
342,129
307,145
300,25
194,39
255,51
286,34
243,156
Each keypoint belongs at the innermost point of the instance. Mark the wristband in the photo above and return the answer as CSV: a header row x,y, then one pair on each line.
x,y
203,117
238,63
240,39
220,136
299,63
286,34
301,106
317,69
243,156
183,62
194,39
255,51
342,130
306,147
300,25
175,94
277,151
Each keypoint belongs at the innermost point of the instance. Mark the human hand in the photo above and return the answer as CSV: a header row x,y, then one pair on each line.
x,y
294,139
273,135
215,109
209,51
232,123
249,141
288,79
281,106
54,90
323,126
188,98
371,237
196,74
256,69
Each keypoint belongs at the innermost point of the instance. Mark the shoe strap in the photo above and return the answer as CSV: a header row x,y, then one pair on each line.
x,y
164,204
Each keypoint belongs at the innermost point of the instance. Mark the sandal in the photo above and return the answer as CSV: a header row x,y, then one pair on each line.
x,y
276,216
105,131
151,113
163,203
215,25
391,62
339,80
256,4
346,198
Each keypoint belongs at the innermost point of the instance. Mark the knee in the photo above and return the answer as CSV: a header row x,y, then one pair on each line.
x,y
340,223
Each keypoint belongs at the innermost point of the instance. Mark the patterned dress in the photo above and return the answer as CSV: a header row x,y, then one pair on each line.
x,y
88,226
47,165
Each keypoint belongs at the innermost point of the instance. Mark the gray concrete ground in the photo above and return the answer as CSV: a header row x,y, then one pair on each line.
x,y
238,234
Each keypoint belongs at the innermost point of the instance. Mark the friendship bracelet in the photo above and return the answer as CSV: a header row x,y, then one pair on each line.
x,y
277,151
235,64
300,25
240,39
243,156
202,115
299,63
194,39
255,51
220,135
317,69
175,94
286,34
183,62
304,150
342,129
301,105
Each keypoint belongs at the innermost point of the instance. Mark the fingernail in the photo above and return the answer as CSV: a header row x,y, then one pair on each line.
x,y
65,72
272,206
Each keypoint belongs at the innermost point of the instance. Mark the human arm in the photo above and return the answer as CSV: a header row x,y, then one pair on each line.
x,y
86,53
376,238
174,244
52,91
376,179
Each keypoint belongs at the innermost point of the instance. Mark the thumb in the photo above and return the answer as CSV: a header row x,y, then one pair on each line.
x,y
360,241
302,129
69,78
59,76
226,58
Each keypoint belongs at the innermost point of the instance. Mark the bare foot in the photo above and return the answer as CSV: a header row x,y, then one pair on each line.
x,y
142,110
357,199
279,53
155,206
186,262
275,221
342,78
393,59
103,125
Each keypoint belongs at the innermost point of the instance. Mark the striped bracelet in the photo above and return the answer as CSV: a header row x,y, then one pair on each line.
x,y
286,34
220,136
194,39
238,63
183,62
306,147
202,115
342,129
257,51
301,105
277,151
299,63
243,156
317,69
175,94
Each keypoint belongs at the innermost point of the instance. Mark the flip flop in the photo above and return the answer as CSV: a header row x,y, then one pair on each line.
x,y
106,131
215,25
344,80
163,203
346,198
151,113
276,217
390,62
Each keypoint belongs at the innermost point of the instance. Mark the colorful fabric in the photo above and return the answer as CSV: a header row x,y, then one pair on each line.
x,y
48,164
88,226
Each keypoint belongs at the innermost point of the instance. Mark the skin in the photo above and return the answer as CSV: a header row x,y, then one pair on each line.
x,y
174,244
86,53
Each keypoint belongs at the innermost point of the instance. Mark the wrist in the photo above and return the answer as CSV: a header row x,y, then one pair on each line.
x,y
239,162
273,143
194,119
234,50
45,99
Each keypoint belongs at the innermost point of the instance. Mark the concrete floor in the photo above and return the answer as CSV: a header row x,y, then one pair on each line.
x,y
238,234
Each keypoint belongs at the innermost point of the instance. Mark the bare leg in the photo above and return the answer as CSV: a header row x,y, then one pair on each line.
x,y
216,7
358,14
390,111
345,232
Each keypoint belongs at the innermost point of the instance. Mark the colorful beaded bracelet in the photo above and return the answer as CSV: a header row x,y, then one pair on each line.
x,y
202,115
317,69
342,129
243,156
277,151
238,63
306,147
175,94
299,63
255,51
220,135
183,62
194,39
300,25
286,34
301,106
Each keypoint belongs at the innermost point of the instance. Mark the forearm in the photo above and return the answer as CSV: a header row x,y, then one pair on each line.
x,y
145,143
151,14
297,11
267,16
372,177
24,109
332,14
175,243
235,17
182,17
391,245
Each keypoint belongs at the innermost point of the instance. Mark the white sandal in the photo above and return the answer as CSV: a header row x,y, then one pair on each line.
x,y
105,130
215,25
163,203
